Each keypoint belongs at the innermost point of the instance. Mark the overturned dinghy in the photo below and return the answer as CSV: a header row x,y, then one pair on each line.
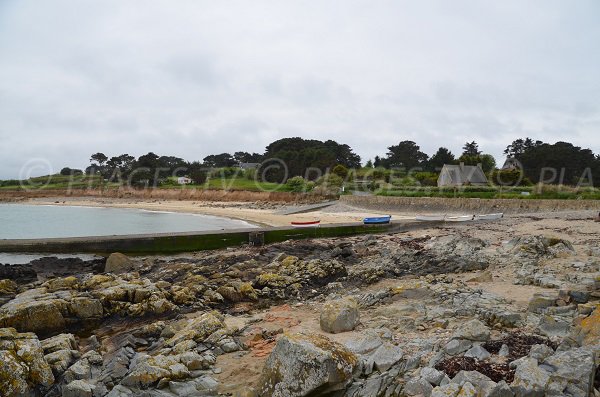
x,y
459,218
316,223
430,218
376,220
488,217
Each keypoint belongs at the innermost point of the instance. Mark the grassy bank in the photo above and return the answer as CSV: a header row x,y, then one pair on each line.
x,y
555,192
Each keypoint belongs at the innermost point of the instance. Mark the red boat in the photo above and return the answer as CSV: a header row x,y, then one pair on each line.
x,y
306,223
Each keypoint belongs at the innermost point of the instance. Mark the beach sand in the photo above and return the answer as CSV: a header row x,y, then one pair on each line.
x,y
259,214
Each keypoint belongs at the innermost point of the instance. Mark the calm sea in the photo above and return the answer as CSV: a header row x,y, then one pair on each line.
x,y
18,221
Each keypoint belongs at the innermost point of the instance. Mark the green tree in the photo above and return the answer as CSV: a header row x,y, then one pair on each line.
x,y
303,155
487,161
197,172
219,160
441,157
471,149
406,154
245,157
66,171
99,158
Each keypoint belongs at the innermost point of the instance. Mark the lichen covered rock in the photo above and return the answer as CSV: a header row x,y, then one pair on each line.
x,y
303,364
339,315
23,369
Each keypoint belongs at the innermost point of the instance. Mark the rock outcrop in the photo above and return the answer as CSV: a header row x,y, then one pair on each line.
x,y
302,365
23,369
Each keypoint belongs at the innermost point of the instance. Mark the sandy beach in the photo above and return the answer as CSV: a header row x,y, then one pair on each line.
x,y
259,214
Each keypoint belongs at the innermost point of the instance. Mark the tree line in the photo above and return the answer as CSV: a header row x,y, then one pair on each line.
x,y
312,158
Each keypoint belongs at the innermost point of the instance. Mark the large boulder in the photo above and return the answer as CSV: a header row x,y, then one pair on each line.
x,y
35,311
60,352
537,246
375,352
530,380
23,370
302,365
588,332
340,315
150,369
539,302
198,329
571,372
473,330
117,262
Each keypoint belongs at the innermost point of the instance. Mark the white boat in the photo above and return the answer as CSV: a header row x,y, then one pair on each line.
x,y
459,218
430,218
487,217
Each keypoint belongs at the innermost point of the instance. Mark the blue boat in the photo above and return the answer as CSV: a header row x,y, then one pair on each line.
x,y
377,220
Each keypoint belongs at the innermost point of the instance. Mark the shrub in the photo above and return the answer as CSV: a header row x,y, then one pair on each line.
x,y
509,178
296,184
426,178
250,174
340,171
70,171
379,173
330,180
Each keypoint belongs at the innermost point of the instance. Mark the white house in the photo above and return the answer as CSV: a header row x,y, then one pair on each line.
x,y
184,180
249,166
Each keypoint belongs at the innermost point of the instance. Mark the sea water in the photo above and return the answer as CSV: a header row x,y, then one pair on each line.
x,y
22,221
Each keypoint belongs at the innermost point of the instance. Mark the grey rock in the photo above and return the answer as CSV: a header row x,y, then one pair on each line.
x,y
457,346
530,380
572,371
203,386
340,315
229,347
504,351
480,381
501,389
449,390
417,387
540,352
302,364
78,388
468,390
477,352
368,343
120,391
554,326
473,330
432,375
117,262
81,370
384,357
580,296
539,302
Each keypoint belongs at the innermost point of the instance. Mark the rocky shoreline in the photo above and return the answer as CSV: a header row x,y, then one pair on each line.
x,y
499,309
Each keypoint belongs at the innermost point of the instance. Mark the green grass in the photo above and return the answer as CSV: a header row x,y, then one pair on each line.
x,y
492,192
57,181
239,183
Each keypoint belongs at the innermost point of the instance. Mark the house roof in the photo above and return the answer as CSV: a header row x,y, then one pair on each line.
x,y
461,174
249,165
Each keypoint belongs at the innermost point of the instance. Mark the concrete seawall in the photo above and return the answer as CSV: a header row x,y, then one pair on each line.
x,y
198,241
471,205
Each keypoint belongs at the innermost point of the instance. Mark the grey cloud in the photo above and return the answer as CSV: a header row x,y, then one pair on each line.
x,y
203,77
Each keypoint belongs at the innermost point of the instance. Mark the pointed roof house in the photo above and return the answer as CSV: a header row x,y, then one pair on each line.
x,y
461,175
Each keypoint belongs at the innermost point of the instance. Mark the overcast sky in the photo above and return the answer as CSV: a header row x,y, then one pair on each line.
x,y
192,78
